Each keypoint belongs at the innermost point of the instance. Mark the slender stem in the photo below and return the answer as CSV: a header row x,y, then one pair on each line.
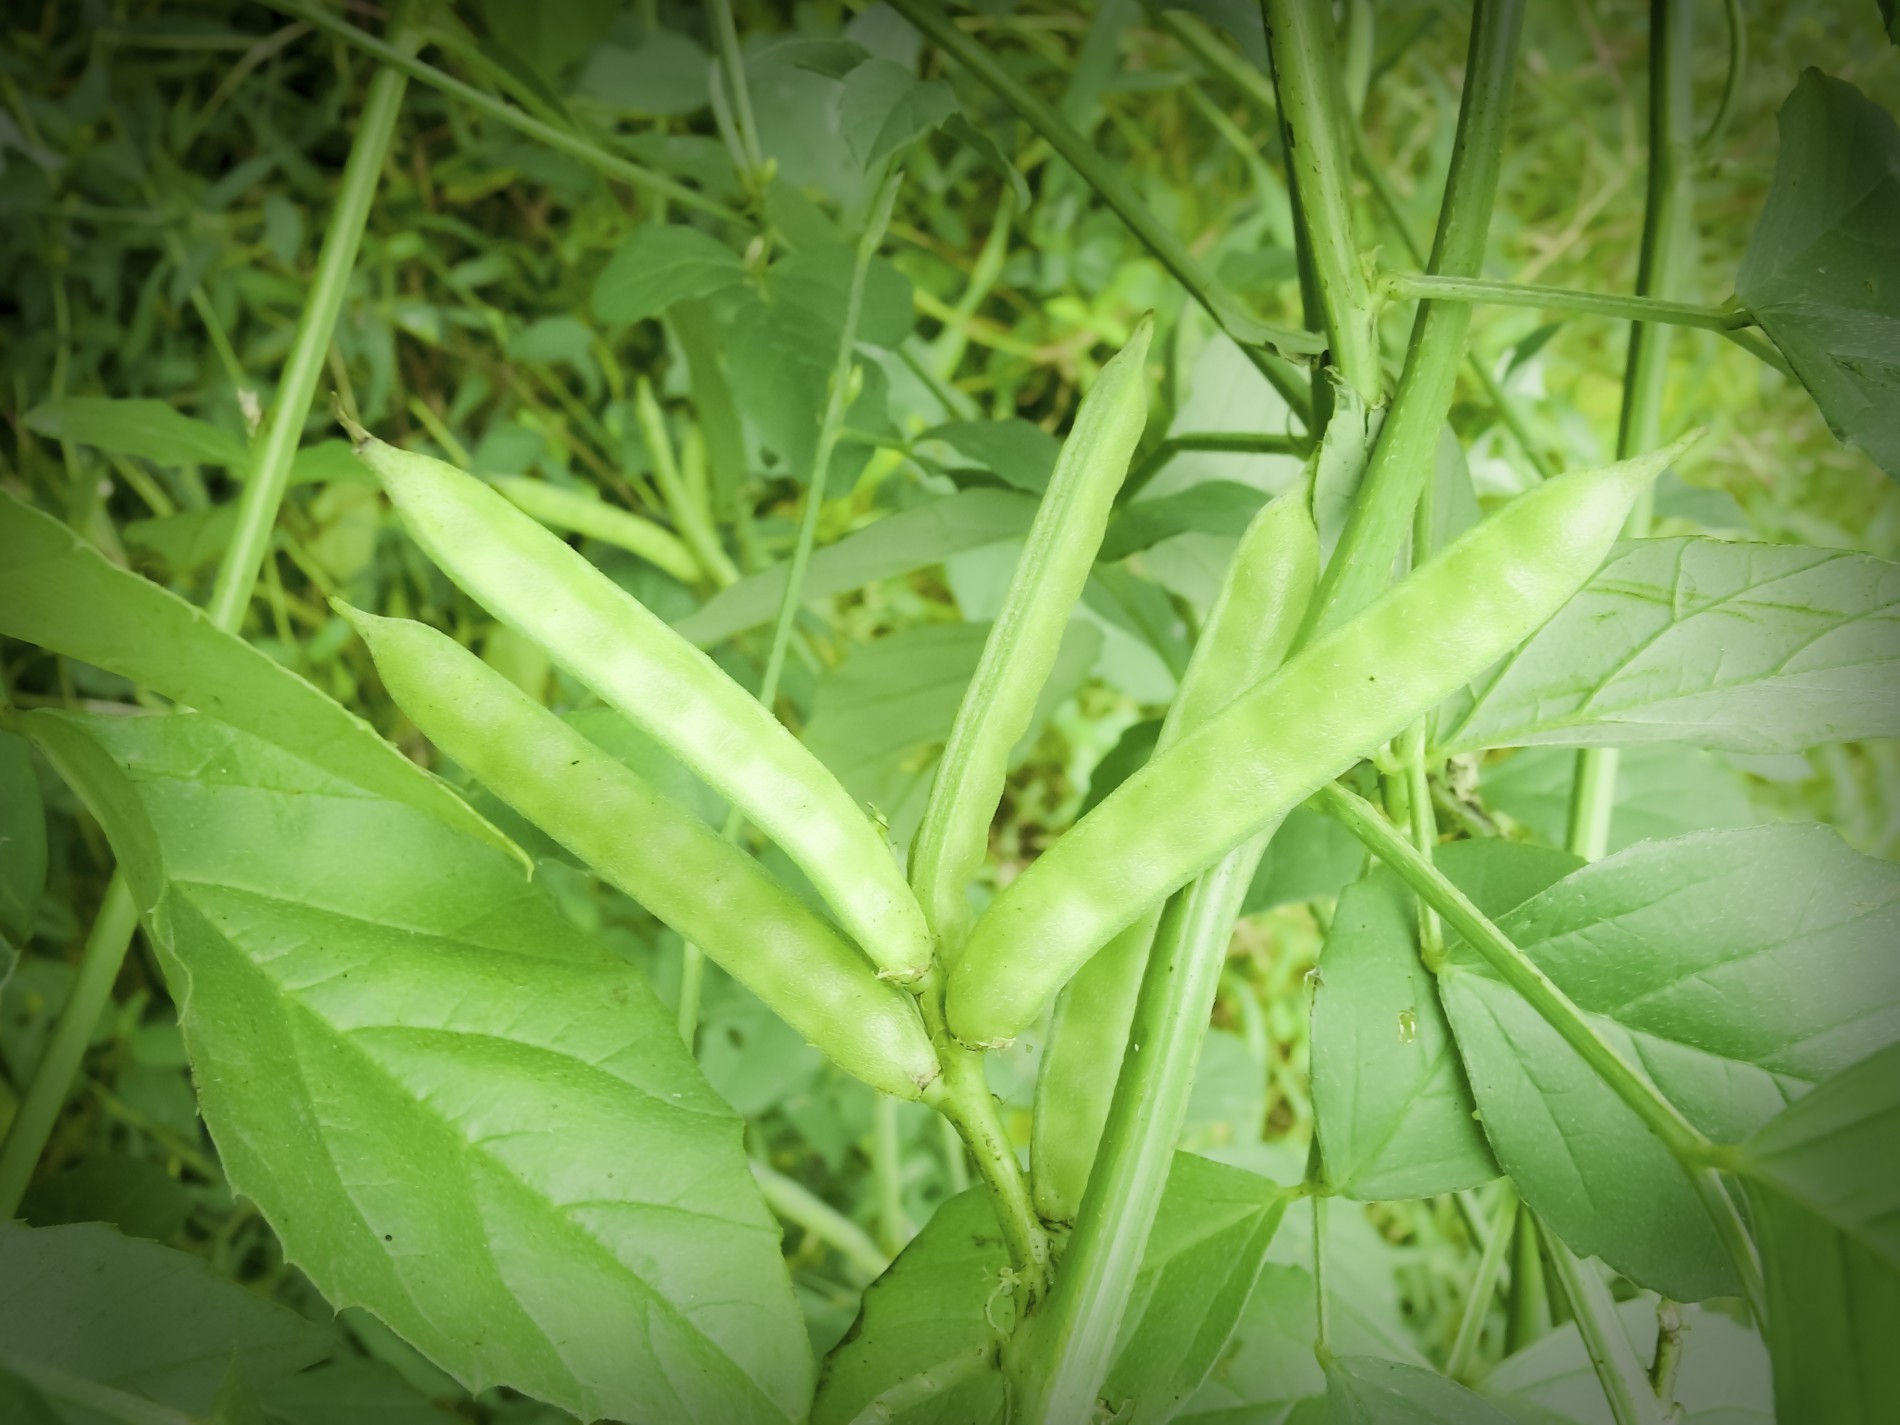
x,y
692,984
1062,1355
1709,146
1206,46
732,62
836,403
1322,1299
270,471
1266,345
887,1166
1619,1371
46,1095
956,1162
117,920
1319,164
1681,1137
689,515
1426,287
1663,272
561,140
947,352
802,1207
92,1400
1464,1348
1733,1231
1668,1359
1405,455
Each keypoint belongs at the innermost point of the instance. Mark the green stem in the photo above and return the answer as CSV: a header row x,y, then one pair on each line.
x,y
1516,969
66,1048
561,140
732,67
1322,1299
946,354
1710,144
1266,345
1235,442
1668,1360
689,515
1061,1356
1528,1319
1619,1371
270,471
117,920
1312,128
887,1165
1464,1348
1426,287
1405,455
1663,272
802,1207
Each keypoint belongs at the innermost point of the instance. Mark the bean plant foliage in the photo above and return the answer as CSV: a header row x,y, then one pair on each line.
x,y
904,712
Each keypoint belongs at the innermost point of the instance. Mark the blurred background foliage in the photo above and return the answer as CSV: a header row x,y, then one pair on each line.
x,y
165,173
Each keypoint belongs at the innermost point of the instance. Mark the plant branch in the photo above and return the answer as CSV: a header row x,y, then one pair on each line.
x,y
1319,167
1423,286
1464,1348
1266,345
1405,455
1619,1371
1235,442
802,1207
561,140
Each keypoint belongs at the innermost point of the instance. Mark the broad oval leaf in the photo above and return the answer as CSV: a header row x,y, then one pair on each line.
x,y
658,265
885,106
1837,1152
1740,647
63,594
84,1304
1396,1118
1735,969
1820,274
1834,1315
454,1109
152,429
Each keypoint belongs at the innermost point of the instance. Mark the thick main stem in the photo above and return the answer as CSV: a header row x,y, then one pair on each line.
x,y
1640,308
1405,455
117,920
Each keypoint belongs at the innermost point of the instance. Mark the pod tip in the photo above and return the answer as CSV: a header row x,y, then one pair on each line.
x,y
359,436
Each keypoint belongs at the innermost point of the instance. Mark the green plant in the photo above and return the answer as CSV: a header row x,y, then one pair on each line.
x,y
1425,920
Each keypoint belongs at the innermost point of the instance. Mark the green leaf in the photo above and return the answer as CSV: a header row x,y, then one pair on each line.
x,y
1311,858
59,592
22,1402
658,265
947,1303
1211,507
1819,274
899,544
22,841
1365,1390
453,1108
1662,790
886,107
880,719
1837,1151
817,283
136,1195
349,1389
1834,1315
151,429
832,58
1735,969
1740,647
1723,1378
88,1304
1395,1116
991,155
1017,452
665,74
1197,1274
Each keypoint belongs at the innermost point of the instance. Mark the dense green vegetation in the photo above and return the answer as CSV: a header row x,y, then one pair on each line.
x,y
1570,1075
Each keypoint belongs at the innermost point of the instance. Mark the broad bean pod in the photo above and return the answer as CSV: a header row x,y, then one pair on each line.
x,y
1021,648
648,845
535,583
1274,746
1263,598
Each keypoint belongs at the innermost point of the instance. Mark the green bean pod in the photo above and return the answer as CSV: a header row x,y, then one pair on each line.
x,y
1263,598
594,517
533,582
1021,648
1274,746
648,845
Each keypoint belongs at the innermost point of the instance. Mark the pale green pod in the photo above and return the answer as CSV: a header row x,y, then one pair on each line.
x,y
533,582
1021,648
1256,616
642,841
1267,751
